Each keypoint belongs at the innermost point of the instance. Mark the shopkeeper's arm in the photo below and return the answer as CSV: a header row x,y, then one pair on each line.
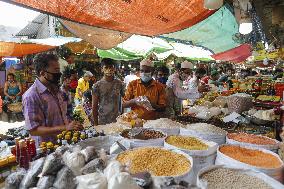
x,y
20,88
35,120
6,90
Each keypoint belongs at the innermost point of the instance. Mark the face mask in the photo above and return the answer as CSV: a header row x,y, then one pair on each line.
x,y
184,77
163,80
109,72
55,78
146,77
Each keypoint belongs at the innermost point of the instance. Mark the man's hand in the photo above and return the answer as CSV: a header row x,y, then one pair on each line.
x,y
203,88
74,125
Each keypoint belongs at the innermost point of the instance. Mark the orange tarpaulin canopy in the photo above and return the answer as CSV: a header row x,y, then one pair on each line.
x,y
145,17
21,49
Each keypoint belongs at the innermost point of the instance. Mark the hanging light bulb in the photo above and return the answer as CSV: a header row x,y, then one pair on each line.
x,y
213,4
245,26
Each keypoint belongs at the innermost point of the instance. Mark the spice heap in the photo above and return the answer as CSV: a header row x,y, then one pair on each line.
x,y
163,123
185,142
206,128
252,157
251,138
223,178
157,161
145,134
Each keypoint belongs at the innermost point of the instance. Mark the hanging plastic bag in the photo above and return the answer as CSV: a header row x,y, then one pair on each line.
x,y
144,102
65,179
45,182
31,178
13,181
53,163
91,181
96,165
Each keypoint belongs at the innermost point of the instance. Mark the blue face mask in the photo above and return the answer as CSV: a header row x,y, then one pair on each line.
x,y
146,77
162,80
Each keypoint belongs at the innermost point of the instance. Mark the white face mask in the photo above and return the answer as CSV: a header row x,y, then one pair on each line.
x,y
146,77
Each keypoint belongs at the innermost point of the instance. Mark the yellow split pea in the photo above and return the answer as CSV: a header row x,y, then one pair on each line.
x,y
157,161
186,142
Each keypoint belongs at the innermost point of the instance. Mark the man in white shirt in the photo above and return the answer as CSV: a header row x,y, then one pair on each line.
x,y
178,90
130,77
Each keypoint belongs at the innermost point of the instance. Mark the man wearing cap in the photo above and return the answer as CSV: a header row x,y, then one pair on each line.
x,y
176,91
83,86
146,86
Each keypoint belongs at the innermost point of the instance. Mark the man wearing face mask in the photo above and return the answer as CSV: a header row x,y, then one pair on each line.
x,y
162,74
107,94
146,86
43,104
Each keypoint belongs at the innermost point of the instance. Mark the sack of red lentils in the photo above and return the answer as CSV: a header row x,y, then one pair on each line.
x,y
262,160
251,140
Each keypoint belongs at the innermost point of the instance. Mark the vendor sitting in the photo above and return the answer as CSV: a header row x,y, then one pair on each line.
x,y
12,90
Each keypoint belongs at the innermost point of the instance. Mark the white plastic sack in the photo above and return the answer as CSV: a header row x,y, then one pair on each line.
x,y
272,147
217,138
114,167
273,183
122,180
91,181
223,159
201,158
75,161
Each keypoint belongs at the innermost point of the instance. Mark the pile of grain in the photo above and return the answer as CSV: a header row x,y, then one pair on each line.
x,y
186,142
224,178
163,123
157,161
251,138
205,128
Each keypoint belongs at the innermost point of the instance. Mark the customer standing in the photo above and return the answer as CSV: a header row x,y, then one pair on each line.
x,y
83,86
107,95
44,110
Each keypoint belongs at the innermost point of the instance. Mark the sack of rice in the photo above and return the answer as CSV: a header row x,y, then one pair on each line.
x,y
261,160
223,177
205,131
251,140
166,125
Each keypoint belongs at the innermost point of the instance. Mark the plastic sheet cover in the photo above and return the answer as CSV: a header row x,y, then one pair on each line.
x,y
215,33
99,37
12,49
145,17
238,54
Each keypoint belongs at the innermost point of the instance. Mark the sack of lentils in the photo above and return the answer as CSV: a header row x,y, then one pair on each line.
x,y
166,125
261,160
223,177
205,131
251,140
202,152
160,162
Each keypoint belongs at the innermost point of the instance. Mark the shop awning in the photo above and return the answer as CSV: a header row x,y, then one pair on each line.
x,y
238,54
12,49
146,17
137,47
215,33
18,48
